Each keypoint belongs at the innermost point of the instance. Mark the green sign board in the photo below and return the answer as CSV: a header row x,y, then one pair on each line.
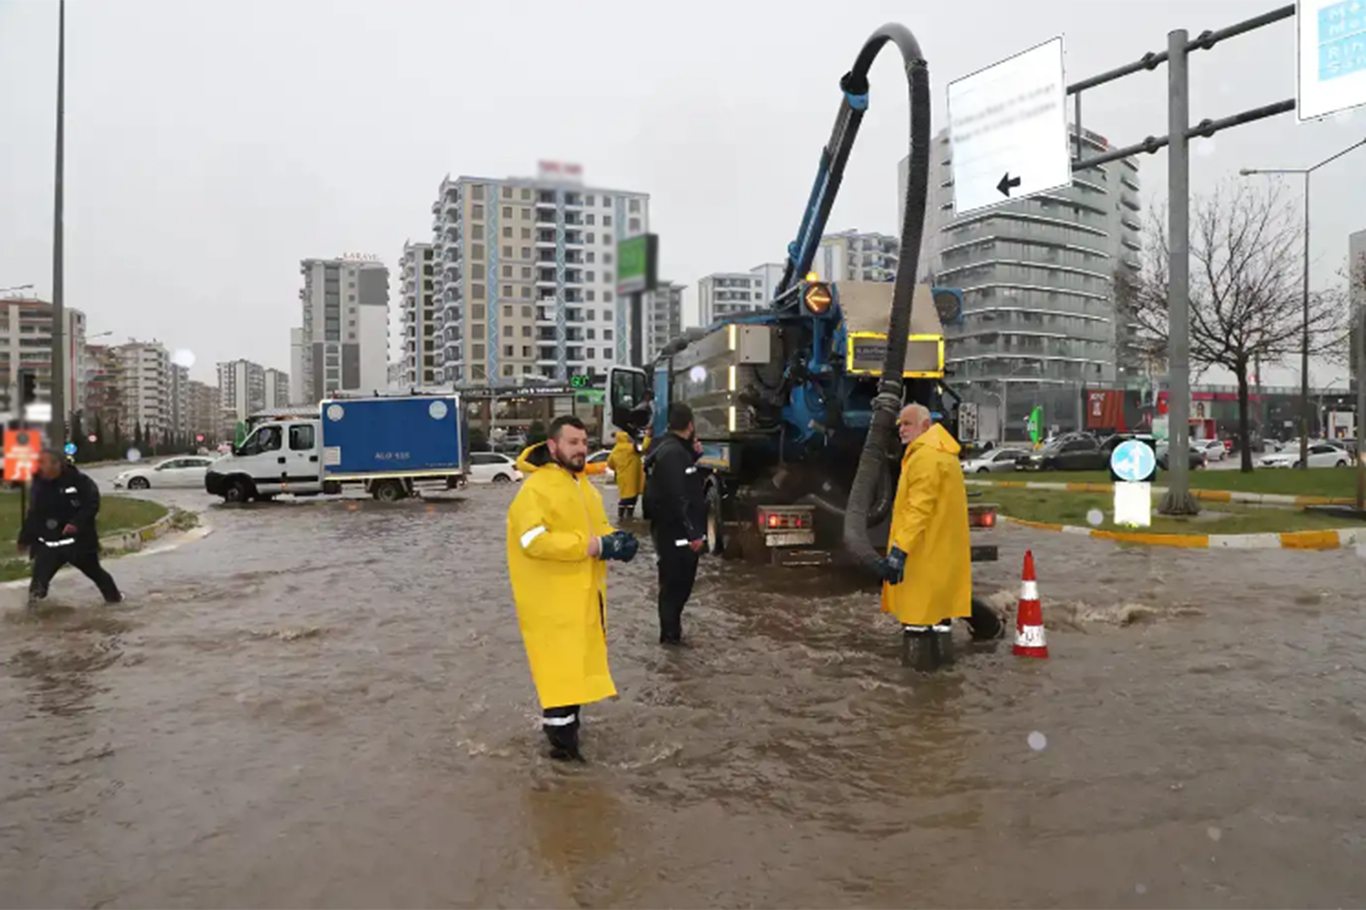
x,y
1036,424
593,396
636,263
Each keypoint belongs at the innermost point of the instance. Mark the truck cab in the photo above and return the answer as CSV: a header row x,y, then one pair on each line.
x,y
278,456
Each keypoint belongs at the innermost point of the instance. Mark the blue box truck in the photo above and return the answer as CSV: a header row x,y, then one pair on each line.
x,y
386,443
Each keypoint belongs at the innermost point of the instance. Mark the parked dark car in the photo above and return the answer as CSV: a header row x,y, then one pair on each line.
x,y
1076,452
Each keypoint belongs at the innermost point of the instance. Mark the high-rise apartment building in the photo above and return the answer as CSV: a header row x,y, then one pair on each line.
x,y
103,409
663,317
276,383
419,318
856,256
343,344
26,344
205,411
144,388
241,390
181,402
524,275
724,294
299,365
1037,277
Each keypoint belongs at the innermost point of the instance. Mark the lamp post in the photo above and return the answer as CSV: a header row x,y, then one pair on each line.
x,y
57,429
1306,172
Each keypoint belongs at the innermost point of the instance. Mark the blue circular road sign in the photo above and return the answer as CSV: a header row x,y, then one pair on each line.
x,y
1133,461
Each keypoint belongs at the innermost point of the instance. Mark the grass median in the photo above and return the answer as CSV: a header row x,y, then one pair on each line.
x,y
1064,508
1333,483
117,514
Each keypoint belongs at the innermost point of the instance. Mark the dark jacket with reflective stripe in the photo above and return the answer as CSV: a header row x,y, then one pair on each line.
x,y
675,492
71,499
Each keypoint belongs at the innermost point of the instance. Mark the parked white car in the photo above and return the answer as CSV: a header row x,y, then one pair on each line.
x,y
183,472
493,467
1321,455
1213,448
995,461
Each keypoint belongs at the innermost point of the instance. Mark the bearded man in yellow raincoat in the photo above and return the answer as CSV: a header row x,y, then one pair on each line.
x,y
927,572
558,542
625,463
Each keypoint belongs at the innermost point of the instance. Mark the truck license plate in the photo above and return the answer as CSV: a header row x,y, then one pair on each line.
x,y
790,538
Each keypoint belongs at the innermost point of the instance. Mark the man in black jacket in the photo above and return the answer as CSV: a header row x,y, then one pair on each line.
x,y
678,512
60,527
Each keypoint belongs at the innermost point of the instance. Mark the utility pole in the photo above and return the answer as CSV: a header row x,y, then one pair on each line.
x,y
57,429
1178,500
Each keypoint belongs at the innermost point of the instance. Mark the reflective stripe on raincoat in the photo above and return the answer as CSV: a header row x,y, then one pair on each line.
x,y
930,525
626,464
560,591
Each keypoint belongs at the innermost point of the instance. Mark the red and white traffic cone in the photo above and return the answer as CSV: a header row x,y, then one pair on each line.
x,y
1029,635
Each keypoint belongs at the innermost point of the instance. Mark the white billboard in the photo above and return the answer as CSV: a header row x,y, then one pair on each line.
x,y
1008,132
1330,56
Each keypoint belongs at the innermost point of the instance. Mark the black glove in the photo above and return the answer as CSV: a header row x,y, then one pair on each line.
x,y
619,545
892,567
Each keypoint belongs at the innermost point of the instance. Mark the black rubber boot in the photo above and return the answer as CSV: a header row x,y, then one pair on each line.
x,y
920,648
564,743
943,631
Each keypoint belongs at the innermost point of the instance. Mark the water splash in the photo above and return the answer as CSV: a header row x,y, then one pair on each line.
x,y
1214,833
184,357
1037,741
1206,148
1095,518
698,373
134,455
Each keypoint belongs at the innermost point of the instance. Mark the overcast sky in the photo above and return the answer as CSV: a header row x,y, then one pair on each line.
x,y
212,145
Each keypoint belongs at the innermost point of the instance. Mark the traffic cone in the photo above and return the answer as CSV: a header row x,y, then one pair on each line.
x,y
1029,634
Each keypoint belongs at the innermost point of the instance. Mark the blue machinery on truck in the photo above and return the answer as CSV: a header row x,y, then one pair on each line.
x,y
796,405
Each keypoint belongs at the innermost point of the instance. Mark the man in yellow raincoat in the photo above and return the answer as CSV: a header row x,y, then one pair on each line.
x,y
558,542
927,572
630,473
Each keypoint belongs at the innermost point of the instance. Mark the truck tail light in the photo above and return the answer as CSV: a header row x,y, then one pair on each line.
x,y
785,519
983,516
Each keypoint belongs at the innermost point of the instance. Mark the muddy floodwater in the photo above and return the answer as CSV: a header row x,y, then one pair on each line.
x,y
327,705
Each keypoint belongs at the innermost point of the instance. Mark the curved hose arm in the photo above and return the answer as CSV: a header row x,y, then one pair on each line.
x,y
886,404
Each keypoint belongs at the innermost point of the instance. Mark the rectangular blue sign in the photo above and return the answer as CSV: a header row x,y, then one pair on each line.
x,y
1341,39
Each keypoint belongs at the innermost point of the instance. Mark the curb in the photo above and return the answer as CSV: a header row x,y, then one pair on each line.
x,y
1260,499
1289,540
132,541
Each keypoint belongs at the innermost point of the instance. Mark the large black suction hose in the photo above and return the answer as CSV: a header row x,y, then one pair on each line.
x,y
878,446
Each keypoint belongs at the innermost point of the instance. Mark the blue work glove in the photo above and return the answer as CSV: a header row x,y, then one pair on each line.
x,y
892,567
619,545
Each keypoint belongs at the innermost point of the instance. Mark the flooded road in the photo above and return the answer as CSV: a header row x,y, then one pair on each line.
x,y
328,705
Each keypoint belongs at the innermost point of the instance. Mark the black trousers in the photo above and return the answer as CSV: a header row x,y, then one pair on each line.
x,y
626,507
47,560
561,726
677,572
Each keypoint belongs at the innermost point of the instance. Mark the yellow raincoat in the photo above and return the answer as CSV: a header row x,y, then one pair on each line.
x,y
930,525
560,591
625,463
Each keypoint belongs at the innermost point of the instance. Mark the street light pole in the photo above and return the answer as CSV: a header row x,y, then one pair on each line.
x,y
1304,337
57,429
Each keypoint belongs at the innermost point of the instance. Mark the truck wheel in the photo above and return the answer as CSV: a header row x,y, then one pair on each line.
x,y
390,491
716,527
237,491
332,488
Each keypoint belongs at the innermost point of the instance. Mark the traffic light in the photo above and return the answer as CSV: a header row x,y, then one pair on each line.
x,y
28,387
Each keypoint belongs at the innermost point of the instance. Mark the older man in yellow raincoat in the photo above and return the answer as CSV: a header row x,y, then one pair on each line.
x,y
927,572
558,542
625,463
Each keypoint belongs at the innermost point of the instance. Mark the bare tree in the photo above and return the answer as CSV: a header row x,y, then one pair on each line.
x,y
1246,287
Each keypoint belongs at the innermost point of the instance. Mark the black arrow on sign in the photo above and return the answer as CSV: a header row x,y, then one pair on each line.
x,y
1007,182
